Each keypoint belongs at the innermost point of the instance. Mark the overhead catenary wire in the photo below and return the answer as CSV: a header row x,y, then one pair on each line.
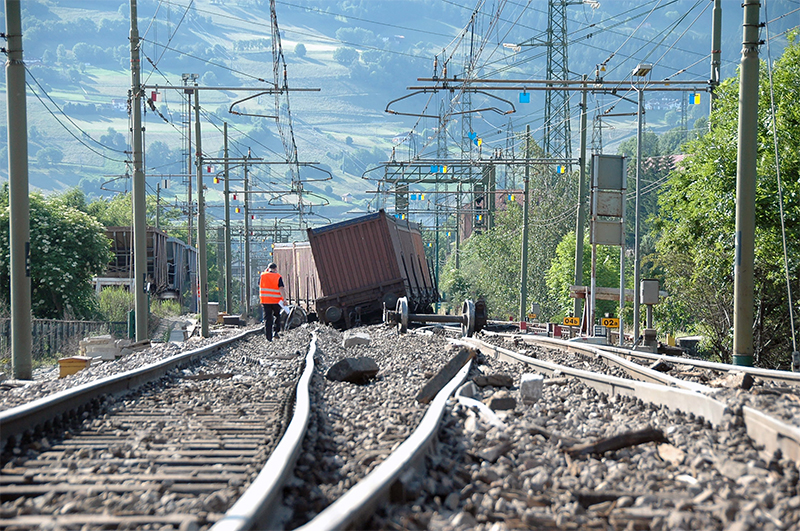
x,y
169,40
780,186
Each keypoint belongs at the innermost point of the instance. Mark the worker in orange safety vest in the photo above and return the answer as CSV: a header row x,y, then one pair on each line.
x,y
272,296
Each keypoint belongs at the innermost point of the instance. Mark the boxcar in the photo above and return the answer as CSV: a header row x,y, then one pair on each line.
x,y
366,262
296,265
171,264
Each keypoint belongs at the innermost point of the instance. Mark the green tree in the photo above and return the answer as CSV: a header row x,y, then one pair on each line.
x,y
345,55
490,262
118,211
696,224
300,49
49,156
561,274
68,248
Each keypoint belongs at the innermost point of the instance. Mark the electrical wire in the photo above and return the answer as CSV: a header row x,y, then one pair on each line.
x,y
780,186
73,135
177,26
206,61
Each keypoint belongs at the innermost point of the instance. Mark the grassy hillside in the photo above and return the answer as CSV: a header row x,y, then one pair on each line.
x,y
78,55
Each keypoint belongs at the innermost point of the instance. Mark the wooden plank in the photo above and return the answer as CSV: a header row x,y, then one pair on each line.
x,y
447,373
7,493
604,294
39,521
182,477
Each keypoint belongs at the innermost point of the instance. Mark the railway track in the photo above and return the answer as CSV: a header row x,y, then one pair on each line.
x,y
372,456
175,452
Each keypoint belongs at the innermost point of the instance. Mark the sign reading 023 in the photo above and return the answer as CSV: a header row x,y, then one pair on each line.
x,y
610,322
572,321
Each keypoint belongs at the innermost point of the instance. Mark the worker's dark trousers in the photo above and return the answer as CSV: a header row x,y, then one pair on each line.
x,y
272,314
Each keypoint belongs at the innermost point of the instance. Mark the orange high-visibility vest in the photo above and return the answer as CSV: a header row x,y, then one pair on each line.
x,y
270,293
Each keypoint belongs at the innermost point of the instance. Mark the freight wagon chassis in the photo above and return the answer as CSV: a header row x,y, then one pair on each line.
x,y
472,319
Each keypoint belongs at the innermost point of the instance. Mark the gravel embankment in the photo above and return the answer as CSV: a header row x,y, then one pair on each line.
x,y
519,476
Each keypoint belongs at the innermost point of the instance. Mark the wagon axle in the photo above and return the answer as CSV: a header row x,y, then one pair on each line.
x,y
472,318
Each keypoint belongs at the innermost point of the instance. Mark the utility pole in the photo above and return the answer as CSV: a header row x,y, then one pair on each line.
x,y
246,262
523,299
19,202
202,268
579,227
228,274
743,281
636,222
138,189
716,45
188,143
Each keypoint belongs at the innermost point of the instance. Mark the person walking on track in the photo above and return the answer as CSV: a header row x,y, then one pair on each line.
x,y
272,299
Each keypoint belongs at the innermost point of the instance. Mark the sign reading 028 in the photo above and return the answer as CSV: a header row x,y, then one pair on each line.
x,y
610,322
572,321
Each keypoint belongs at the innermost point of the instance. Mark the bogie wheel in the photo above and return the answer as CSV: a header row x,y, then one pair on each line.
x,y
468,313
402,309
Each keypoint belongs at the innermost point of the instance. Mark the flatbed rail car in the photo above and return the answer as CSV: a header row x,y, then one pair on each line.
x,y
355,267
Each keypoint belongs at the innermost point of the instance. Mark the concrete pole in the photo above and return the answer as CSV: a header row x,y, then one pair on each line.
x,y
716,52
579,227
743,282
523,299
19,202
622,289
247,281
636,221
190,204
459,232
138,189
202,265
228,273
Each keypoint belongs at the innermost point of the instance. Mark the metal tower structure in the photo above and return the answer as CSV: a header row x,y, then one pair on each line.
x,y
557,141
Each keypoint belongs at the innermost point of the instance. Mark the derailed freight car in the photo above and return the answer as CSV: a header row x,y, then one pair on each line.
x,y
351,269
296,265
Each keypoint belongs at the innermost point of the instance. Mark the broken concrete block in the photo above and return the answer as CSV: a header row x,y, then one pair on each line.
x,y
355,338
734,380
530,387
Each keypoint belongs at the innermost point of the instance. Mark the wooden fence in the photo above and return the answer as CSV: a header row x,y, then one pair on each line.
x,y
52,339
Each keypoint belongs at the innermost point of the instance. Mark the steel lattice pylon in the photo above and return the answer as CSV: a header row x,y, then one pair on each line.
x,y
557,141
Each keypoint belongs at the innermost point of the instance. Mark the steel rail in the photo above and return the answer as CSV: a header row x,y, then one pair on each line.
x,y
766,431
634,370
694,402
257,507
772,375
17,421
358,502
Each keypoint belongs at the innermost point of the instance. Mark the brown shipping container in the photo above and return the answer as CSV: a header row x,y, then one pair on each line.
x,y
368,261
296,265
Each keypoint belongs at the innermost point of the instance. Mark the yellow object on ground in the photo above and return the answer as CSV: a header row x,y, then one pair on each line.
x,y
72,365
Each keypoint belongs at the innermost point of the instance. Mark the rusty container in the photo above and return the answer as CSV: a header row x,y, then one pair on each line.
x,y
296,265
366,262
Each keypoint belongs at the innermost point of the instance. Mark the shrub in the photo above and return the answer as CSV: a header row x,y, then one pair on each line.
x,y
115,303
166,308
